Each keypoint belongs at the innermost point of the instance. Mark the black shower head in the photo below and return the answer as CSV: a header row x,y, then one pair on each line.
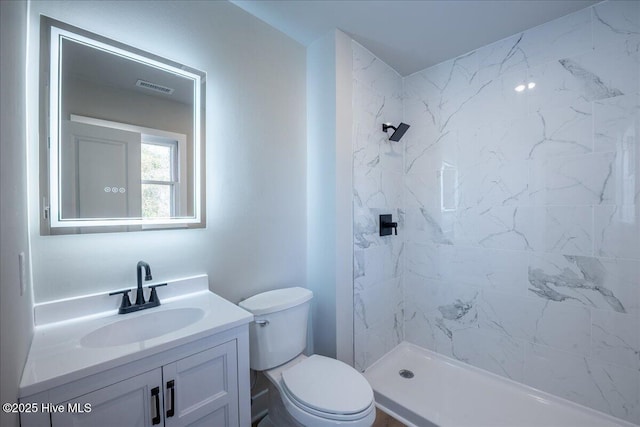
x,y
398,132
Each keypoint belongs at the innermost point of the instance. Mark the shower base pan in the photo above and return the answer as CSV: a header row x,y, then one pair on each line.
x,y
425,389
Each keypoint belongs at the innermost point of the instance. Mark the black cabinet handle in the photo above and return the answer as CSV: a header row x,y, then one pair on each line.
x,y
171,387
155,393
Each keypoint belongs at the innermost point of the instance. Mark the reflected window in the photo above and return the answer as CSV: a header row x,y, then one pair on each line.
x,y
159,177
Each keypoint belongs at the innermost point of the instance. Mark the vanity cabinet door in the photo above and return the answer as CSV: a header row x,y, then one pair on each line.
x,y
135,402
202,389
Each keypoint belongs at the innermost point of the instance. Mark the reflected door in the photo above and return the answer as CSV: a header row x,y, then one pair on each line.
x,y
100,172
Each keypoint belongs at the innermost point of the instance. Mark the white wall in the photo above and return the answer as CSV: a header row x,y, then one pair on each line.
x,y
321,190
16,320
344,198
329,245
256,155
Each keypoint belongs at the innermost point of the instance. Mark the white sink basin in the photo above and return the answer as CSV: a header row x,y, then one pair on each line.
x,y
141,328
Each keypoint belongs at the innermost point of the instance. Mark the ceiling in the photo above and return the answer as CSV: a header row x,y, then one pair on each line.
x,y
103,68
410,35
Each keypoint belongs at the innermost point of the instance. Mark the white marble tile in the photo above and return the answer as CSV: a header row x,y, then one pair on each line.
x,y
359,350
419,328
494,352
368,267
559,131
605,72
445,96
430,226
573,180
617,231
616,338
369,107
382,339
617,22
597,75
372,150
562,326
371,71
445,79
507,105
365,226
379,189
452,302
375,154
550,323
551,41
617,124
373,343
494,182
358,264
429,153
608,388
500,227
503,142
566,229
457,308
420,109
378,320
424,260
380,303
502,57
488,269
419,304
423,190
393,264
609,284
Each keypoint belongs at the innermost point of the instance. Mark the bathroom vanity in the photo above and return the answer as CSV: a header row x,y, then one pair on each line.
x,y
184,363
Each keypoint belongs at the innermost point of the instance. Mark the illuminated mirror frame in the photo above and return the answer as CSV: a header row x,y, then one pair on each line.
x,y
53,33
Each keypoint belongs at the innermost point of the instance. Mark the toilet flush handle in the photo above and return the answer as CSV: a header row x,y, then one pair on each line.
x,y
262,322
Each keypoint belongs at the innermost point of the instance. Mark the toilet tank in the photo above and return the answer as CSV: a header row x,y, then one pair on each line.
x,y
279,330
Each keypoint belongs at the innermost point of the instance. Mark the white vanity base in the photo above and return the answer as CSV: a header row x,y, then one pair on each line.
x,y
194,375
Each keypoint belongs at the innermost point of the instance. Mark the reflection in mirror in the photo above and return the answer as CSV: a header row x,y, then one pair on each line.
x,y
126,137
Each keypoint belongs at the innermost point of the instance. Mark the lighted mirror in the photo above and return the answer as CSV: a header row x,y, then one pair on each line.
x,y
125,136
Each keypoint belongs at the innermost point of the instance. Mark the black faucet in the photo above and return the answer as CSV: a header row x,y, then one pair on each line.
x,y
154,301
147,276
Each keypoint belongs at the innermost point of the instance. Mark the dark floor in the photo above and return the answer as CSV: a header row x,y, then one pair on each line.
x,y
384,420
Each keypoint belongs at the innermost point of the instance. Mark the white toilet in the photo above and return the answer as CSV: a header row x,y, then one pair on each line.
x,y
312,391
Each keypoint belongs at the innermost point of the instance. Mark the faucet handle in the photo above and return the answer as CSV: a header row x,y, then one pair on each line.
x,y
125,299
153,298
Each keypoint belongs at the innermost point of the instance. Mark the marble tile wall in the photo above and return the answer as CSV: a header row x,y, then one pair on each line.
x,y
378,189
519,212
522,209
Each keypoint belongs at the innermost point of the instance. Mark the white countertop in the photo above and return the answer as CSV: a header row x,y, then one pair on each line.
x,y
57,357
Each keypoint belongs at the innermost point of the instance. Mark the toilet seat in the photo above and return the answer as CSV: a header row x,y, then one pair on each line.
x,y
304,411
328,388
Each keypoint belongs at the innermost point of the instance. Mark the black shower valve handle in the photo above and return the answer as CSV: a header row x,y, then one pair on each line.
x,y
386,224
393,225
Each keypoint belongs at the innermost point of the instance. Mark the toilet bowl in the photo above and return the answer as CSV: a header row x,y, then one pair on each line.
x,y
319,391
314,391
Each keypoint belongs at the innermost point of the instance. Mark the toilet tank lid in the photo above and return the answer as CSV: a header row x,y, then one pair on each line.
x,y
277,300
